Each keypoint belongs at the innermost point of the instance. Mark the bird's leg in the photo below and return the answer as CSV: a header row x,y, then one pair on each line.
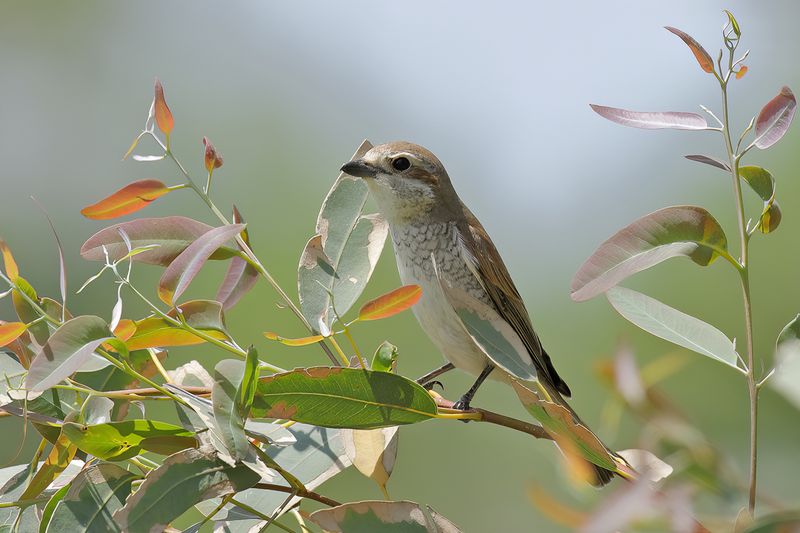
x,y
463,403
427,380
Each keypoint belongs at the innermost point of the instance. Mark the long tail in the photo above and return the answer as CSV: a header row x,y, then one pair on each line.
x,y
602,476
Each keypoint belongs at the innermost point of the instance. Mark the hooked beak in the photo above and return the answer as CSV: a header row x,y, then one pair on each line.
x,y
360,169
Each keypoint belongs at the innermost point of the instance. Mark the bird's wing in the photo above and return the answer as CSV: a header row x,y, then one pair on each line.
x,y
486,264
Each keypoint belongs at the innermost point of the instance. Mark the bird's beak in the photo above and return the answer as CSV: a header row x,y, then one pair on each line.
x,y
360,169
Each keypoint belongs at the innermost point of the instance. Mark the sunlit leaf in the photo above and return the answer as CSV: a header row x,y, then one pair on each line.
x,y
669,232
203,315
670,324
652,120
11,268
92,498
59,458
184,268
117,441
163,115
775,118
148,158
559,422
708,160
27,313
762,182
391,303
62,267
647,464
67,350
128,199
227,380
184,479
388,517
385,357
125,329
343,398
172,235
373,452
247,386
10,331
341,257
303,341
734,24
705,61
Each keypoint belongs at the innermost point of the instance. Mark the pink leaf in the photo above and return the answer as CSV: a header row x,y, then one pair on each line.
x,y
652,120
774,119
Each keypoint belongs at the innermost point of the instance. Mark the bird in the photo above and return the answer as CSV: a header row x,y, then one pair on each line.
x,y
469,308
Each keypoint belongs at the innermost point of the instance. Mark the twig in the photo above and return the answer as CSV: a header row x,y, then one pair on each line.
x,y
302,493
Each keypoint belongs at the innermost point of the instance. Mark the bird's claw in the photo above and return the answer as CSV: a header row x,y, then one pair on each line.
x,y
462,405
431,384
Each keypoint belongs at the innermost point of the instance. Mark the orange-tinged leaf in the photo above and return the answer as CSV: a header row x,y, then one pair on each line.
x,y
304,341
128,199
391,303
741,72
706,63
125,329
10,331
155,332
12,271
164,118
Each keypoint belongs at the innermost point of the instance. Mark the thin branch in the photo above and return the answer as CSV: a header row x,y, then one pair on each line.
x,y
308,494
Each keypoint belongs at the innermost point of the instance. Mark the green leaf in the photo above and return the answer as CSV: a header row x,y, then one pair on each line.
x,y
172,235
340,258
560,423
204,315
733,23
12,374
57,461
224,395
180,272
117,441
780,522
786,378
185,478
26,312
388,517
92,498
762,182
50,507
670,232
672,325
67,349
247,387
342,398
385,357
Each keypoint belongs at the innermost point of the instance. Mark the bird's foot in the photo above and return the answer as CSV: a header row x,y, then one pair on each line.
x,y
463,405
431,384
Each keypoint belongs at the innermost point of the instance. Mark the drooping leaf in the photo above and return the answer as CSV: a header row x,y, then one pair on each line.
x,y
10,331
388,517
391,303
708,160
62,267
669,232
705,61
67,350
762,182
59,458
385,357
128,199
672,325
373,452
117,441
172,235
184,268
241,276
246,390
652,120
184,479
303,341
342,398
92,498
559,422
786,378
340,258
162,113
775,118
227,381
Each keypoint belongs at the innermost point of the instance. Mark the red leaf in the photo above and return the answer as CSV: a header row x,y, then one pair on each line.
x,y
128,199
774,119
706,63
212,158
184,268
11,331
163,114
391,303
652,120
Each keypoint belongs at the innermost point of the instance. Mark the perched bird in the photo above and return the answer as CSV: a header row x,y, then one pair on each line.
x,y
469,307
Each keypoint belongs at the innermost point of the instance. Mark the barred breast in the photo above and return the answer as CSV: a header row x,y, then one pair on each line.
x,y
414,244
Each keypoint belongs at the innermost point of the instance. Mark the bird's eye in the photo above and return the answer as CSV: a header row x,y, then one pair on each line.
x,y
401,164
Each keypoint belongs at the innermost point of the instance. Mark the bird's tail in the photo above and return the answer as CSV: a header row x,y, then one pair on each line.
x,y
602,476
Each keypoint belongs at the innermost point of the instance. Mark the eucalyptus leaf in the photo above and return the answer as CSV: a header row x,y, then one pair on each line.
x,y
786,378
389,517
117,441
774,119
651,120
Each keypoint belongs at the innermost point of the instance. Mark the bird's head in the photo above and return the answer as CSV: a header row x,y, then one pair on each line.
x,y
407,181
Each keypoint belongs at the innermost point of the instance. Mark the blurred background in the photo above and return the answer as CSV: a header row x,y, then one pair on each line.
x,y
500,92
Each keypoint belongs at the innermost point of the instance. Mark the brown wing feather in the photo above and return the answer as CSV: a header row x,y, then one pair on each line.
x,y
506,298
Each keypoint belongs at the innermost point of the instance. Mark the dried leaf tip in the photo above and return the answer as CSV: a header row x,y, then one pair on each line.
x,y
213,159
163,115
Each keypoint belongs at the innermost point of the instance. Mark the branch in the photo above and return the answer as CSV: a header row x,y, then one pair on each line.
x,y
303,493
496,418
